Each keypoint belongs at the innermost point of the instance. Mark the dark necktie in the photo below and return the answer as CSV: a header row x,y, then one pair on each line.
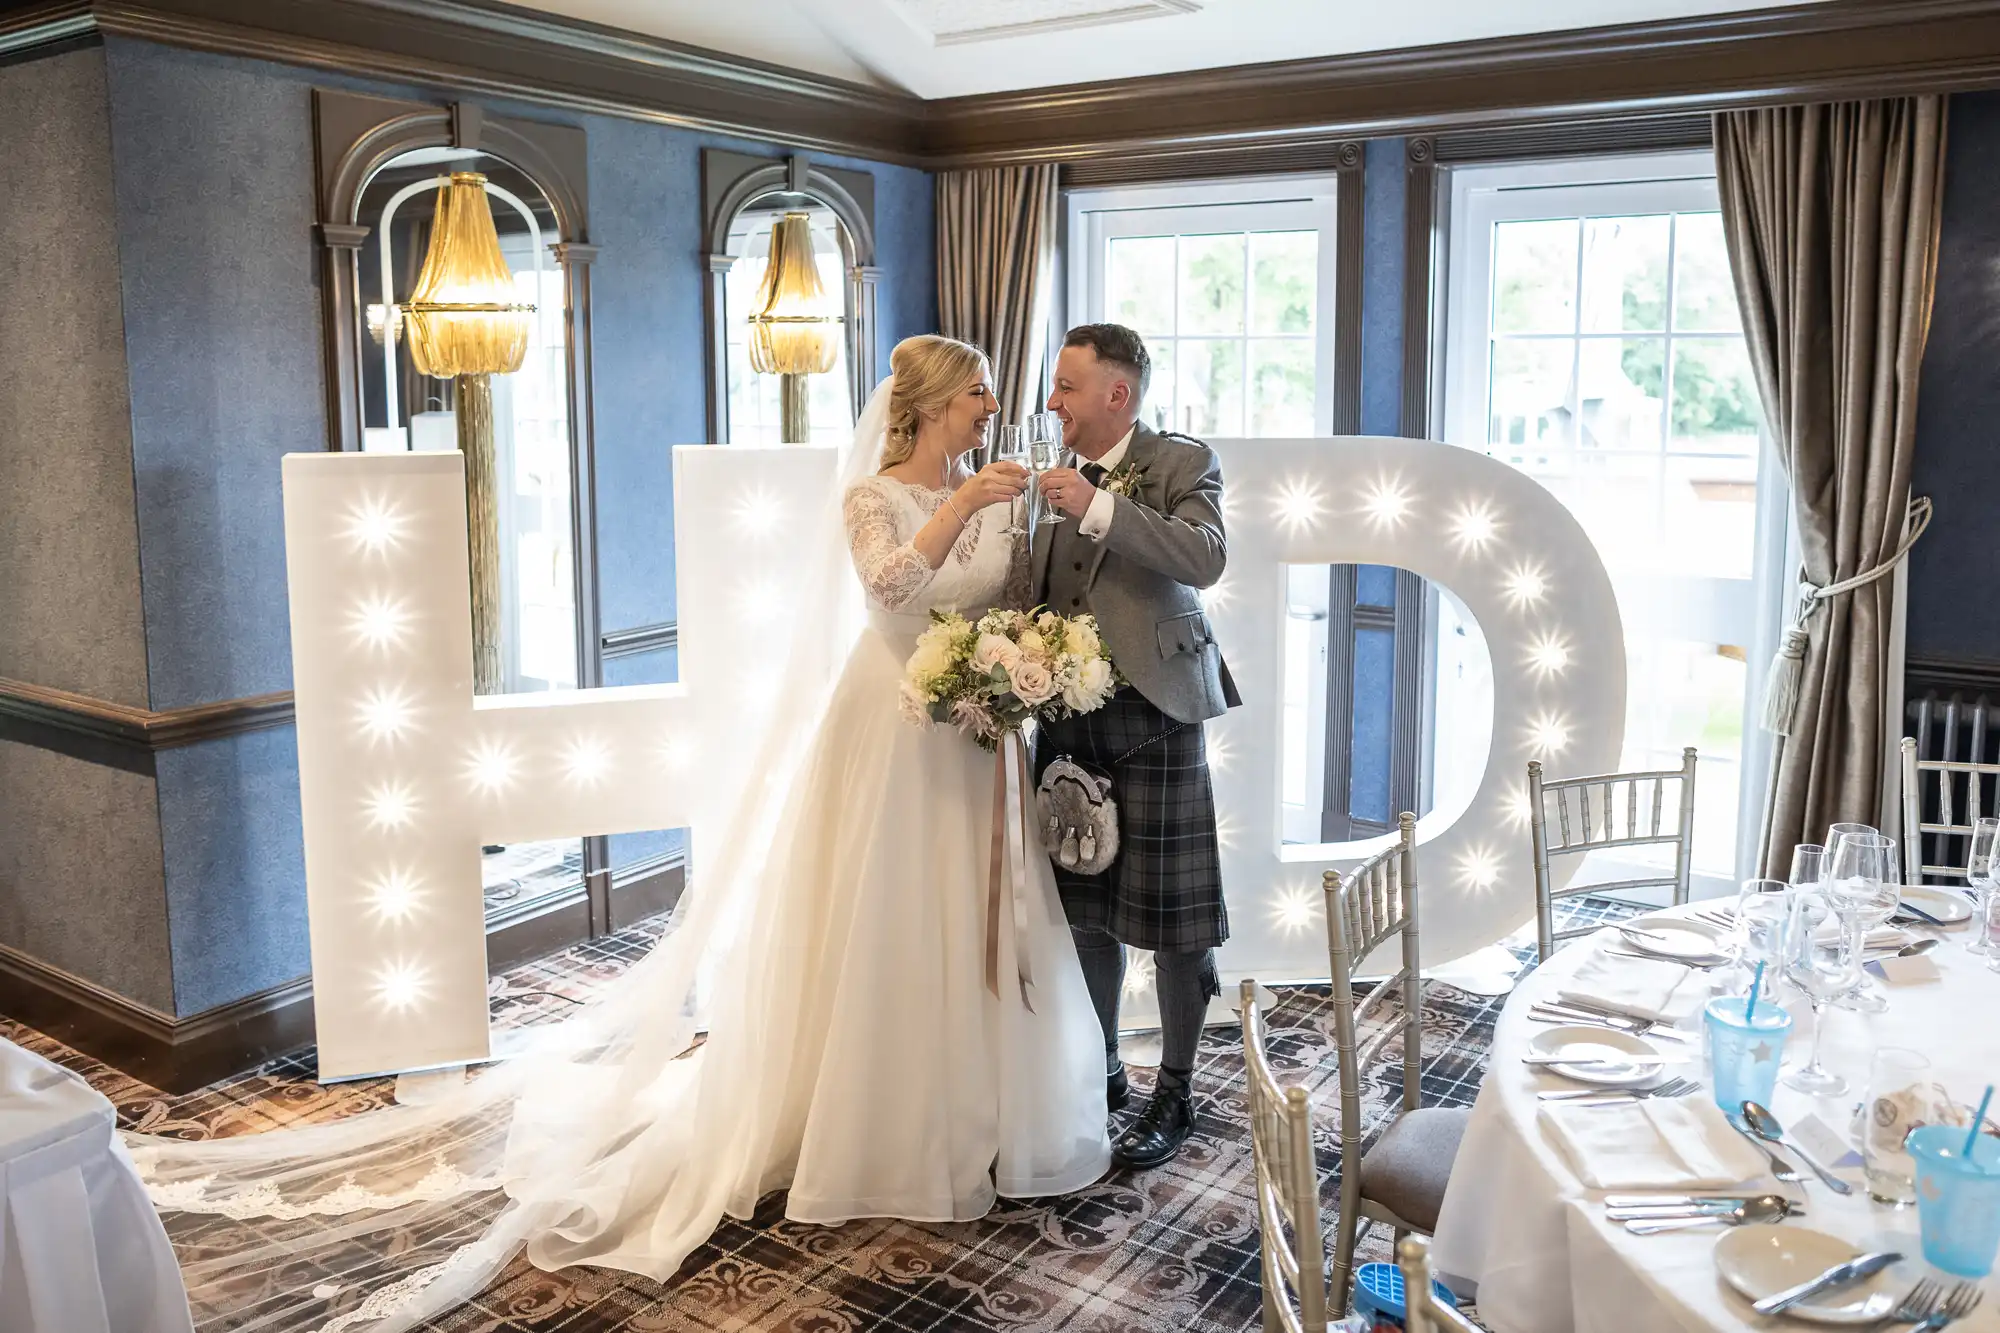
x,y
1093,473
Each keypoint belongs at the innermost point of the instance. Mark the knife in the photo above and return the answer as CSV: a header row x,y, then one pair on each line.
x,y
1858,1269
1672,1200
1609,1011
1542,1061
1919,913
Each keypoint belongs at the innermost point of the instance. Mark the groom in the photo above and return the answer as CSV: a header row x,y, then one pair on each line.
x,y
1143,532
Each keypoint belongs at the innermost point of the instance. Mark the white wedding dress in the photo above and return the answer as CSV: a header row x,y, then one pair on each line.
x,y
856,1056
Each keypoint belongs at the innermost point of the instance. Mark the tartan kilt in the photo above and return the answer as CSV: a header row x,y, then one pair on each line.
x,y
1164,891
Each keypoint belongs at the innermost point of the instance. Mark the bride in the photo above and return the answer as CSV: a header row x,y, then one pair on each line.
x,y
836,937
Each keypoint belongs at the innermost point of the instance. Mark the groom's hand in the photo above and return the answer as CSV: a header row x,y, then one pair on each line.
x,y
1067,490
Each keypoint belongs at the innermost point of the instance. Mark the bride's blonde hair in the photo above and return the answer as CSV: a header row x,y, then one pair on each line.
x,y
930,370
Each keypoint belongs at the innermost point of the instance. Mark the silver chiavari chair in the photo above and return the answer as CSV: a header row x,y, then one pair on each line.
x,y
1400,1180
1425,1312
1587,813
1958,804
1288,1222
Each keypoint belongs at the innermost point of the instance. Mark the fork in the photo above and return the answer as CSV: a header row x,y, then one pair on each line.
x,y
1919,1304
1964,1299
1673,1087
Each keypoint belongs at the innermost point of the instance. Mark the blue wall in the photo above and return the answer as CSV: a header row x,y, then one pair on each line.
x,y
213,164
1954,606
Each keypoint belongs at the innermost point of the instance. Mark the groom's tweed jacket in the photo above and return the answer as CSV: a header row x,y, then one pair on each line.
x,y
1165,889
1166,541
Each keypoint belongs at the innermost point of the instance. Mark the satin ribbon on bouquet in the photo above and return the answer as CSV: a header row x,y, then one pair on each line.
x,y
1008,871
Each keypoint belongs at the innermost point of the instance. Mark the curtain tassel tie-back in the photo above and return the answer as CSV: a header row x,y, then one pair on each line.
x,y
1781,686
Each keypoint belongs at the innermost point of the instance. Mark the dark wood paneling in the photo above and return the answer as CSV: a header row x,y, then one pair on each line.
x,y
45,714
1805,52
502,51
1947,676
183,1054
177,1055
1845,48
1350,202
1419,258
1629,134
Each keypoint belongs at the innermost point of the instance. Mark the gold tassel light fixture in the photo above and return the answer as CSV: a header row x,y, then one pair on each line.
x,y
795,330
464,324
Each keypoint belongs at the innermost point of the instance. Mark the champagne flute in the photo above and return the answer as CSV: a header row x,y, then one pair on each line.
x,y
1861,885
1808,865
1010,447
1045,448
1818,962
1979,873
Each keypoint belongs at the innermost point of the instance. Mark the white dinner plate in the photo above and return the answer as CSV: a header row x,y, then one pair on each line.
x,y
1944,904
1680,939
1586,1044
1760,1261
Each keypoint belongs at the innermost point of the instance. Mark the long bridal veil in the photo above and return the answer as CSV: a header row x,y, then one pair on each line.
x,y
605,1141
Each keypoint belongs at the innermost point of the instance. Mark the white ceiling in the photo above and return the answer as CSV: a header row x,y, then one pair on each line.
x,y
946,48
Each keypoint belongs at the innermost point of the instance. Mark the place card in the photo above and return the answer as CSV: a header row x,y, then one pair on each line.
x,y
1911,971
1823,1142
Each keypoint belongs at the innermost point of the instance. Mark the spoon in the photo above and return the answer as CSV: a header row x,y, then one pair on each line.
x,y
1765,1126
1915,947
1763,1208
1780,1168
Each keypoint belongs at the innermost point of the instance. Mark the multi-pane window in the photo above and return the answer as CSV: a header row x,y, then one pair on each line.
x,y
1231,287
1593,341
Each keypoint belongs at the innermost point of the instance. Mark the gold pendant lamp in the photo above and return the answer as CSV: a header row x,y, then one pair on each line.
x,y
464,324
795,329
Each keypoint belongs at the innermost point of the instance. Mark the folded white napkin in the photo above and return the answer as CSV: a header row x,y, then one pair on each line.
x,y
1647,987
1881,937
1652,1143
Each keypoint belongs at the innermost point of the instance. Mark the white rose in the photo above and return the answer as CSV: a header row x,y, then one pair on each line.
x,y
1095,680
1082,639
1032,682
1076,696
1033,644
993,650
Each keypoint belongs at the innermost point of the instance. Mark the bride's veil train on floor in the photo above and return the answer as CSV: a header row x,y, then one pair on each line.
x,y
604,1141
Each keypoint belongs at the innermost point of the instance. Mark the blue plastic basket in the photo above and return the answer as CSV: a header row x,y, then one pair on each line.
x,y
1378,1290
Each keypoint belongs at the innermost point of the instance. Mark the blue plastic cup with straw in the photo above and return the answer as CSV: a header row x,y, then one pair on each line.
x,y
1746,1042
1958,1194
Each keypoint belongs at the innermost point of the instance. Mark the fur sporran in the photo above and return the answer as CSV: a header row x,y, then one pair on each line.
x,y
1080,813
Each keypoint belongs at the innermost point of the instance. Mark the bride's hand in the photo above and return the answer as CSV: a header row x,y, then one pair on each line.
x,y
996,483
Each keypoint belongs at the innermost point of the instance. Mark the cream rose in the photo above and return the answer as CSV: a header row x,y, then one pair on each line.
x,y
910,701
1082,639
1033,644
993,650
1032,682
1095,680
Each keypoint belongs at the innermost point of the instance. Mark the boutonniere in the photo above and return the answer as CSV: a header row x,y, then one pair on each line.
x,y
1125,479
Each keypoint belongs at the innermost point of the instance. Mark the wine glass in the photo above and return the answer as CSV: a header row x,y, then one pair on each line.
x,y
1979,873
1011,447
1763,909
1045,451
1861,886
1808,865
1819,963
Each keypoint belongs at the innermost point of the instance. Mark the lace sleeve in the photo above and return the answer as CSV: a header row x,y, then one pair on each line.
x,y
892,570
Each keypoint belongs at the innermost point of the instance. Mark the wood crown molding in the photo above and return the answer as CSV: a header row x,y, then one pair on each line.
x,y
142,729
1806,52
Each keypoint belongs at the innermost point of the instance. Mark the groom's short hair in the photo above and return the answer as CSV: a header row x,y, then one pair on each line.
x,y
1118,345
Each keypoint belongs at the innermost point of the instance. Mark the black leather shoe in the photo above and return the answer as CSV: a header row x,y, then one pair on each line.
x,y
1117,1091
1157,1135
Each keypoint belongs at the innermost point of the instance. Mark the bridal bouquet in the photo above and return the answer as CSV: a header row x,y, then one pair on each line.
x,y
988,677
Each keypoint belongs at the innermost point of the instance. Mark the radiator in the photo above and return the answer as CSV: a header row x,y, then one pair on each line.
x,y
1954,728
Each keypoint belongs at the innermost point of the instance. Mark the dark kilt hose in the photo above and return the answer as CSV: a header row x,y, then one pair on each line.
x,y
1164,890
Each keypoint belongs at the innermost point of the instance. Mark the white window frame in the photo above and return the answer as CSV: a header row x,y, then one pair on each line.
x,y
1628,183
1264,203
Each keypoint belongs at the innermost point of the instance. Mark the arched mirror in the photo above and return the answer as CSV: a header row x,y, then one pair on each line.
x,y
791,346
457,319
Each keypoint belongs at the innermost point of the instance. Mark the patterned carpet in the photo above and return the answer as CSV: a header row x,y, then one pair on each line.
x,y
1175,1247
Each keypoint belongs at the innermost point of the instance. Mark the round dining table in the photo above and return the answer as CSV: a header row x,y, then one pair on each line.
x,y
1519,1225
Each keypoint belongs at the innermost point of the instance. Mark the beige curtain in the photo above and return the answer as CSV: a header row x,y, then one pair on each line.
x,y
996,238
1831,213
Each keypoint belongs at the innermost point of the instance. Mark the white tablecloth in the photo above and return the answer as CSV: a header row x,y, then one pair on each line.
x,y
81,1249
1517,1222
